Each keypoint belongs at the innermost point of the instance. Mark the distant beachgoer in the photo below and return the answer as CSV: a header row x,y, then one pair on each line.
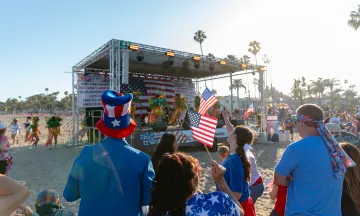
x,y
167,144
317,165
111,177
237,164
48,204
350,201
5,150
27,128
35,131
289,125
14,130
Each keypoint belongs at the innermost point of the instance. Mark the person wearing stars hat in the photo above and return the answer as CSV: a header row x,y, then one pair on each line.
x,y
111,177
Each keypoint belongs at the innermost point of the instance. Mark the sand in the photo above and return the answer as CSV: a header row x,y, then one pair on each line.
x,y
48,169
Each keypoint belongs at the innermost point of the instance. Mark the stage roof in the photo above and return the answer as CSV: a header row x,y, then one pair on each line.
x,y
156,62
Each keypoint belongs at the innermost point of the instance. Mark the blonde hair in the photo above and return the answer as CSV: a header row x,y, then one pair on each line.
x,y
223,150
352,177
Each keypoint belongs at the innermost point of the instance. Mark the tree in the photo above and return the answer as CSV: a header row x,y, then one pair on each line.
x,y
354,20
237,84
200,37
254,49
232,57
332,84
318,87
350,95
47,90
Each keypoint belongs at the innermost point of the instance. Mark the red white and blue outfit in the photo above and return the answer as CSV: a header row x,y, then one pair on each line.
x,y
111,177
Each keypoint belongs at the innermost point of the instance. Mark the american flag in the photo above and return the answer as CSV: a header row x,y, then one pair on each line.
x,y
149,87
249,110
207,100
203,128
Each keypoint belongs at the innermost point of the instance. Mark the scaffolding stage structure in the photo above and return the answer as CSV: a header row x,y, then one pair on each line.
x,y
120,58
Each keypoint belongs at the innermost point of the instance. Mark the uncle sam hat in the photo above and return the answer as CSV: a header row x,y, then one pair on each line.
x,y
116,121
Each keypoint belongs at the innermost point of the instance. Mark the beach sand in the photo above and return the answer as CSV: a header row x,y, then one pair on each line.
x,y
48,169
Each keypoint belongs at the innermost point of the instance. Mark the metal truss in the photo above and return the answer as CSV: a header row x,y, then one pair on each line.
x,y
94,56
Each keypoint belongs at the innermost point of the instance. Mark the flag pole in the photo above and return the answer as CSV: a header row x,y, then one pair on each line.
x,y
208,153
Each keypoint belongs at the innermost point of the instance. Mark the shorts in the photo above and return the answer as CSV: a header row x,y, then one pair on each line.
x,y
290,129
248,207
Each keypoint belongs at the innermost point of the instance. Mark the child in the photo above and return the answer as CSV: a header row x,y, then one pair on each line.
x,y
27,128
5,157
35,131
14,130
279,193
223,152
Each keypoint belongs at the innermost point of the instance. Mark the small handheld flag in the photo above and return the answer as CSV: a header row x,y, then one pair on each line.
x,y
207,100
203,128
249,110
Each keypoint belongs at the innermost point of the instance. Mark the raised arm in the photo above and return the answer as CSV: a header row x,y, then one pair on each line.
x,y
12,195
225,113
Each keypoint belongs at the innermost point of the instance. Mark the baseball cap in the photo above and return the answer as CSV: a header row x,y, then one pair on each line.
x,y
47,197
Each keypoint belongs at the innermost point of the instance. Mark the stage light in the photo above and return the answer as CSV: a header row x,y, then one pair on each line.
x,y
196,58
243,66
134,47
168,53
197,64
211,67
140,56
261,68
222,62
171,61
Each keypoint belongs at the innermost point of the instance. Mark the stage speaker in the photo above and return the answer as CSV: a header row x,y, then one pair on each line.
x,y
186,123
159,126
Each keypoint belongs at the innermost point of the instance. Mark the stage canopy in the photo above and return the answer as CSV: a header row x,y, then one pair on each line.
x,y
145,59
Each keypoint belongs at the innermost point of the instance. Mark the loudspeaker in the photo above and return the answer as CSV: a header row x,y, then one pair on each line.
x,y
159,126
186,123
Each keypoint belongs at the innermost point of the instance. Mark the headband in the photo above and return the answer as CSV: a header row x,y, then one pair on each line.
x,y
340,161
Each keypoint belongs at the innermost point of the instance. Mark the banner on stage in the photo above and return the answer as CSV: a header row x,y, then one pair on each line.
x,y
187,89
182,136
90,88
272,130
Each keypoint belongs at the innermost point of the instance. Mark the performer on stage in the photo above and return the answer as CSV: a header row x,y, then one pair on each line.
x,y
157,104
53,125
35,131
179,107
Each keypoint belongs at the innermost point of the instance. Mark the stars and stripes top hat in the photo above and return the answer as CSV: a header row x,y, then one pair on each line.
x,y
116,121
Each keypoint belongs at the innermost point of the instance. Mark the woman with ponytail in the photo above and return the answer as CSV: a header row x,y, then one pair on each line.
x,y
237,164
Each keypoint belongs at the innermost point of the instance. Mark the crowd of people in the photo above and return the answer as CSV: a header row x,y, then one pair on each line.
x,y
315,175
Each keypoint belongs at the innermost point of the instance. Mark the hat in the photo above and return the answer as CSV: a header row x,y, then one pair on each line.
x,y
2,126
116,121
333,128
47,197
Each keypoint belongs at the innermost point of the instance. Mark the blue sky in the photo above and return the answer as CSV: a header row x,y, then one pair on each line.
x,y
42,39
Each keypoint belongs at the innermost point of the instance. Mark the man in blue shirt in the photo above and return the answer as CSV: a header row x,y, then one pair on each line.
x,y
111,177
316,185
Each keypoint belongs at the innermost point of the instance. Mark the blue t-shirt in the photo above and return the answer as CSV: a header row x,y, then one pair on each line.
x,y
110,178
314,189
235,176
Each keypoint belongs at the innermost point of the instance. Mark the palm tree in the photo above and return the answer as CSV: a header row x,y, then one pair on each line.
x,y
200,37
354,20
331,84
47,90
319,87
237,84
350,95
231,57
254,49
